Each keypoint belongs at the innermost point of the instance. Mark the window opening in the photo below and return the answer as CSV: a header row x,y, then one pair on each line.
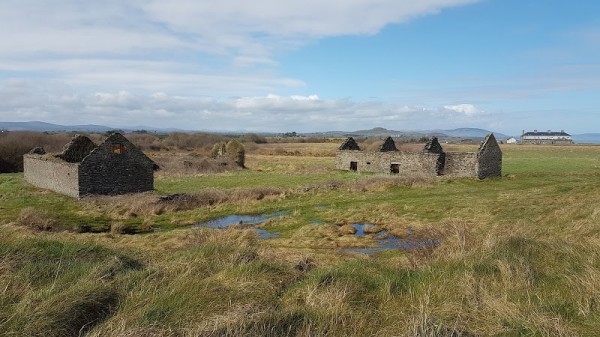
x,y
118,148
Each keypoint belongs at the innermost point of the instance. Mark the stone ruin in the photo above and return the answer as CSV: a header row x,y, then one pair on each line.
x,y
432,161
433,146
77,149
388,145
114,167
349,144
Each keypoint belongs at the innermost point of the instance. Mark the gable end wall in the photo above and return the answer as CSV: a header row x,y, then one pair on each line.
x,y
490,162
104,172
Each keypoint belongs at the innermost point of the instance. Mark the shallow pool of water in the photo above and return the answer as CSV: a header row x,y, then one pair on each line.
x,y
385,241
265,234
250,220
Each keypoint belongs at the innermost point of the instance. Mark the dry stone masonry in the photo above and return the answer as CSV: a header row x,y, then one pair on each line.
x,y
432,161
349,144
114,167
388,145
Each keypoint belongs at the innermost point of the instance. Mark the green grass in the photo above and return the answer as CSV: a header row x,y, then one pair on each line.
x,y
244,179
519,256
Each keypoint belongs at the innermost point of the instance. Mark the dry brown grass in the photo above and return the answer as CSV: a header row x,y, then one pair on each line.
x,y
182,163
147,204
296,149
36,219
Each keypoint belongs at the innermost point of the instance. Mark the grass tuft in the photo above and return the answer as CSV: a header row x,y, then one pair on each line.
x,y
36,219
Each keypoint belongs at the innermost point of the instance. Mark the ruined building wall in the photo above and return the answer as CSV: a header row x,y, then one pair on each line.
x,y
116,167
51,173
461,164
408,163
489,160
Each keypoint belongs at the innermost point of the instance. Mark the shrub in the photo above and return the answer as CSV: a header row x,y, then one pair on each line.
x,y
253,138
13,145
145,141
192,140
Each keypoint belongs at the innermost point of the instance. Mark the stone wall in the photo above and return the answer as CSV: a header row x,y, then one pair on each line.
x,y
489,158
116,167
461,164
408,163
52,173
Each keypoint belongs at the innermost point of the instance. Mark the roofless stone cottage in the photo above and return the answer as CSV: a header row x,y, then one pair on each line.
x,y
432,161
114,167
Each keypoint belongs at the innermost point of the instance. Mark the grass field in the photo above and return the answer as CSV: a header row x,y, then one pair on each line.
x,y
518,256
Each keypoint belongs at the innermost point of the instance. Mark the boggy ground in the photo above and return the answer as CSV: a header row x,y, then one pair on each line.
x,y
518,255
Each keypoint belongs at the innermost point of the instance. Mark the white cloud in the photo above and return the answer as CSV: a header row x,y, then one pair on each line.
x,y
463,109
210,46
21,101
127,62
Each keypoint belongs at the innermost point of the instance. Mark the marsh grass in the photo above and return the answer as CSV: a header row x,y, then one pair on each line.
x,y
36,219
519,256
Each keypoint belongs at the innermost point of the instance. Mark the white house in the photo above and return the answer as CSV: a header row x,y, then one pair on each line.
x,y
548,137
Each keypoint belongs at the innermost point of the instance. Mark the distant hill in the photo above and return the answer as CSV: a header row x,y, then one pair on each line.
x,y
449,134
461,133
593,138
41,127
471,133
49,127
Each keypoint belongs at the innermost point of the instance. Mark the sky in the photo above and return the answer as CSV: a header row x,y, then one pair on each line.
x,y
304,66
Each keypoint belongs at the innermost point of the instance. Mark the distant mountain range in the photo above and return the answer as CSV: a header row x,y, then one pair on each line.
x,y
43,127
587,138
460,133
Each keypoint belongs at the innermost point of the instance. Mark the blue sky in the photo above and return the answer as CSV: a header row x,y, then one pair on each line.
x,y
316,65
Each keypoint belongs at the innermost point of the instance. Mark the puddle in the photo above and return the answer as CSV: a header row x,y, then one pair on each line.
x,y
386,241
264,234
248,220
360,229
